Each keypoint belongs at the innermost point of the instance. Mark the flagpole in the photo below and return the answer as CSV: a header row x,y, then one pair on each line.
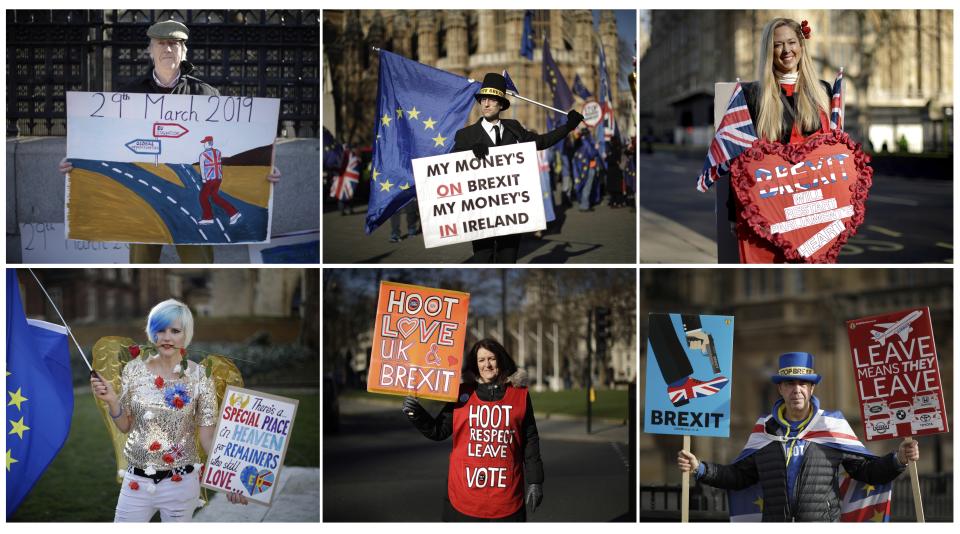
x,y
82,355
511,93
685,486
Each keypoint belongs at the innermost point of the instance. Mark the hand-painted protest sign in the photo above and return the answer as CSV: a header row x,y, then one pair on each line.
x,y
898,378
169,168
418,341
463,198
689,375
805,199
250,443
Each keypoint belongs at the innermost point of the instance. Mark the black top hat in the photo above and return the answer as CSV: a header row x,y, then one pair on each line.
x,y
494,85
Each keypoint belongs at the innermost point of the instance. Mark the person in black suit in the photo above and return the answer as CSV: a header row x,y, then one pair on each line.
x,y
490,130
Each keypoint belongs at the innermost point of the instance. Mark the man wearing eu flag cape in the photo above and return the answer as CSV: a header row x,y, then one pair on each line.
x,y
421,111
789,468
39,394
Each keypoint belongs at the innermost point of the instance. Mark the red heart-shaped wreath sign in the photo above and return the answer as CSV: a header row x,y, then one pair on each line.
x,y
806,199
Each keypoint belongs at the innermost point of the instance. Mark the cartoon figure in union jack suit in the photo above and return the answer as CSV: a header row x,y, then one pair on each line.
x,y
674,364
211,172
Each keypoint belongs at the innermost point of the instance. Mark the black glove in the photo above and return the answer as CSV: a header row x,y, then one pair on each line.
x,y
534,497
411,408
480,150
574,118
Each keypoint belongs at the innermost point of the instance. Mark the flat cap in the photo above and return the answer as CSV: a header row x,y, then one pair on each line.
x,y
168,29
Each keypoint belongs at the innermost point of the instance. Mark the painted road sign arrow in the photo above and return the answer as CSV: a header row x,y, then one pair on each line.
x,y
168,129
144,146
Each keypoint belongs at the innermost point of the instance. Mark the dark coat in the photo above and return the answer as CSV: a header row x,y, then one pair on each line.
x,y
440,427
818,485
751,91
513,132
186,85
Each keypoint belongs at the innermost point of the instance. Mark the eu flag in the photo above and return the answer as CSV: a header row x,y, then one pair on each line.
x,y
526,40
562,97
579,89
40,395
419,109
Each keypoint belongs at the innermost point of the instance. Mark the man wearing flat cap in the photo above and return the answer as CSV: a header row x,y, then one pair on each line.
x,y
490,131
171,74
794,454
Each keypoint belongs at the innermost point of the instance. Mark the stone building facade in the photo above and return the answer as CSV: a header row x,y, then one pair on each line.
x,y
468,43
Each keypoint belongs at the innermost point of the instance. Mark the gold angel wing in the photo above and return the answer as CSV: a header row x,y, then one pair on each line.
x,y
106,362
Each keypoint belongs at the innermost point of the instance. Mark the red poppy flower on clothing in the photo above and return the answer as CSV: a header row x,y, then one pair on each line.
x,y
134,350
155,446
133,485
168,458
178,402
158,382
176,478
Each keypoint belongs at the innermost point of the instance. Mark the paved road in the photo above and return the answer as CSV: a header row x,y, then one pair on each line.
x,y
379,468
909,220
179,207
604,235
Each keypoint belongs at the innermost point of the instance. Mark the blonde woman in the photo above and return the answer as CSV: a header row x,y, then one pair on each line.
x,y
788,102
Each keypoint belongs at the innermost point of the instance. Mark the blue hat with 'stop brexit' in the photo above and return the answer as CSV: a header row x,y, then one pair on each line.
x,y
796,366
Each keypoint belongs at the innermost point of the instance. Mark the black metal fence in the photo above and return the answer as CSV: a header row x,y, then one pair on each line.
x,y
263,53
662,503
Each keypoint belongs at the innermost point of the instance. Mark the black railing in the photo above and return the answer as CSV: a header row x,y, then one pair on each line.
x,y
662,503
263,53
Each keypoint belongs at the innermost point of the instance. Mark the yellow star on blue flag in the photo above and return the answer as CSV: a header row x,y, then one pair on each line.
x,y
40,388
406,86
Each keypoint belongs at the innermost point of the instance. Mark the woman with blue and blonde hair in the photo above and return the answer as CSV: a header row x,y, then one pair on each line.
x,y
165,403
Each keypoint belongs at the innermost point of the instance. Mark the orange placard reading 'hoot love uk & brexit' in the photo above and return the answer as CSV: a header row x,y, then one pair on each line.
x,y
418,341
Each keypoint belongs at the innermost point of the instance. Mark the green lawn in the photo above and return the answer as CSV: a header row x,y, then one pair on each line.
x,y
80,485
610,404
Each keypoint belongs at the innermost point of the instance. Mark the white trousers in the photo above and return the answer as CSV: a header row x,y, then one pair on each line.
x,y
175,501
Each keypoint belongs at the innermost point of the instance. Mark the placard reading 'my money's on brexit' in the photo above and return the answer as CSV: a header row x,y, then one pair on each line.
x,y
689,375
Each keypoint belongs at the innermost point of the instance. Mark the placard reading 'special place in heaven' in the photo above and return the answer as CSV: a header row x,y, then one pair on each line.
x,y
250,443
154,168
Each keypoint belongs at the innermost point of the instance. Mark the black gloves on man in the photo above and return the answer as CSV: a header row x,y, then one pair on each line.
x,y
480,150
574,118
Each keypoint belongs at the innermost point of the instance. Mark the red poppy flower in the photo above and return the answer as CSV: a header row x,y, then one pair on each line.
x,y
158,382
183,352
168,458
134,350
155,446
178,402
176,478
133,485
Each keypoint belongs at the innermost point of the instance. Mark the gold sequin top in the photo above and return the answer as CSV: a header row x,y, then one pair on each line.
x,y
162,436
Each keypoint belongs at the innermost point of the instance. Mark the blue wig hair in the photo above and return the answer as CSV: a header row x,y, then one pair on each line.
x,y
164,314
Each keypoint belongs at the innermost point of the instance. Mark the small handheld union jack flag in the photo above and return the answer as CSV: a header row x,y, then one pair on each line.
x,y
836,103
734,135
345,182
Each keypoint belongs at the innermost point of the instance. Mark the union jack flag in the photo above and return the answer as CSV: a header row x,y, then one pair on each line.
x,y
734,135
859,501
211,166
836,103
344,183
693,388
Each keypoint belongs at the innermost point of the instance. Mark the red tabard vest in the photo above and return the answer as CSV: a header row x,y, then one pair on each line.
x,y
486,465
